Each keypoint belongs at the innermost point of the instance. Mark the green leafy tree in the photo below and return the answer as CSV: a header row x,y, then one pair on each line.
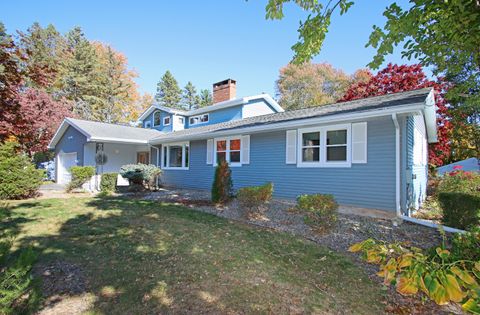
x,y
169,93
190,98
310,84
206,98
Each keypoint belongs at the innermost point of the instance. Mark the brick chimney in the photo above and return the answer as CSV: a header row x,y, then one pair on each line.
x,y
224,90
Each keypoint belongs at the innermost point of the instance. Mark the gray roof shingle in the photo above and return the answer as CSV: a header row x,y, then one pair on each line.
x,y
365,104
105,130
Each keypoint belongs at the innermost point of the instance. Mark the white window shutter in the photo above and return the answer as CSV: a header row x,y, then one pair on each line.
x,y
245,149
210,151
291,147
359,142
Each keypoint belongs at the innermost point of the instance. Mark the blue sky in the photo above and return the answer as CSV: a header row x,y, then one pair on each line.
x,y
204,41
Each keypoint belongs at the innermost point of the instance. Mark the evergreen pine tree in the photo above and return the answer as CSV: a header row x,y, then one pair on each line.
x,y
169,93
190,97
205,98
78,78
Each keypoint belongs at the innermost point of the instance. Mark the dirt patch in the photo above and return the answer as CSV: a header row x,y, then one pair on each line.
x,y
64,288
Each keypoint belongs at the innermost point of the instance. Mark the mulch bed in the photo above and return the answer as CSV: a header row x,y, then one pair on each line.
x,y
281,215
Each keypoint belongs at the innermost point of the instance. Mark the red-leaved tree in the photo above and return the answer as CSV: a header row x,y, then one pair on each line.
x,y
40,116
395,78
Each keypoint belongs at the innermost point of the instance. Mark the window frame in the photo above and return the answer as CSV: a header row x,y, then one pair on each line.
x,y
199,119
169,120
227,150
165,157
323,146
159,118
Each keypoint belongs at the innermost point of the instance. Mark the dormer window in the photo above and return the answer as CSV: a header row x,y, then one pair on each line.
x,y
166,121
156,118
199,119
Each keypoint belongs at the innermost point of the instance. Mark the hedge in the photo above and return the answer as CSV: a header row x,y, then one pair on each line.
x,y
80,175
320,210
460,210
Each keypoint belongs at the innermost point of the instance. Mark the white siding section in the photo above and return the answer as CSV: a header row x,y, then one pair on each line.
x,y
256,109
291,147
359,142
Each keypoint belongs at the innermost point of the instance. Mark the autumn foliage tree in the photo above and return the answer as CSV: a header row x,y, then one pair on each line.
x,y
40,117
313,84
401,78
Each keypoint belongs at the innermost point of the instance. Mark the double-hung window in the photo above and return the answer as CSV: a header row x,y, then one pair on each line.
x,y
156,118
166,121
228,149
327,146
175,156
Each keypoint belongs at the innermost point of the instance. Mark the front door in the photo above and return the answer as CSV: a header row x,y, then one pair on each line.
x,y
143,157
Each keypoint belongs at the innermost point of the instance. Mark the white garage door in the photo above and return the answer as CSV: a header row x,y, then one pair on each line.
x,y
65,161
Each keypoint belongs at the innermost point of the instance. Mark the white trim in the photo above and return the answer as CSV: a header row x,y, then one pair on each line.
x,y
210,150
323,146
117,140
169,120
149,110
61,130
183,144
300,122
397,165
227,150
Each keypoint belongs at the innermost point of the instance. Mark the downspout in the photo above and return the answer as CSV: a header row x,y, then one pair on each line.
x,y
397,165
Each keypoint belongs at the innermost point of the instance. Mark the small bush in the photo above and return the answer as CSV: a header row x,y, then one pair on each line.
x,y
80,175
18,177
139,174
320,210
108,183
460,210
222,187
252,198
467,246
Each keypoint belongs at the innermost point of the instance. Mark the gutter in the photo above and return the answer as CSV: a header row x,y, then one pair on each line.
x,y
397,165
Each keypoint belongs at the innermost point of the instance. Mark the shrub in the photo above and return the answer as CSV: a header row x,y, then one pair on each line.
x,y
461,182
80,175
138,174
108,182
441,276
18,291
467,246
320,210
222,187
253,197
18,177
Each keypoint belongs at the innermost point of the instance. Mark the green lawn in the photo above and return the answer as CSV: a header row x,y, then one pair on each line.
x,y
144,257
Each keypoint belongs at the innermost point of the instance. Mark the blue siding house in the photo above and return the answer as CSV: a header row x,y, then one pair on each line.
x,y
369,153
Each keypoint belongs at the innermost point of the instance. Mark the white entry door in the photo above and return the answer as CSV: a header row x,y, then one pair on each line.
x,y
65,161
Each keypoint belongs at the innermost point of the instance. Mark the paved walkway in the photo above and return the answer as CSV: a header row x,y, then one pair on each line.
x,y
54,190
